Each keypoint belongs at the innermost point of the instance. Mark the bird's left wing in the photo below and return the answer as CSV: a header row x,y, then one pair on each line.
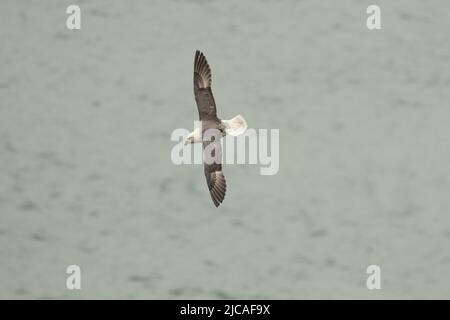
x,y
202,88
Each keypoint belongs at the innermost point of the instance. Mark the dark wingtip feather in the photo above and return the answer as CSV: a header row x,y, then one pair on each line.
x,y
218,188
201,67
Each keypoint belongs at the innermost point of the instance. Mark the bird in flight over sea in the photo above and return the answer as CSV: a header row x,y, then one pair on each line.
x,y
210,122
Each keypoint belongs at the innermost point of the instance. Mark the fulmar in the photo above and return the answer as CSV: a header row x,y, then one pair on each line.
x,y
211,123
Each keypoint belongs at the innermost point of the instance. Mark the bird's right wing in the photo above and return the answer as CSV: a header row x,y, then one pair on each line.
x,y
214,176
202,88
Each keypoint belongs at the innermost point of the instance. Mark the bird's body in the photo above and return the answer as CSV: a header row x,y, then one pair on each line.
x,y
210,122
207,125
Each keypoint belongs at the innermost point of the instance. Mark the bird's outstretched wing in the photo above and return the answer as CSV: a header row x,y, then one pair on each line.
x,y
214,177
202,88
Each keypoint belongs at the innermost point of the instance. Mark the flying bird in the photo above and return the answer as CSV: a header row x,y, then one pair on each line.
x,y
207,112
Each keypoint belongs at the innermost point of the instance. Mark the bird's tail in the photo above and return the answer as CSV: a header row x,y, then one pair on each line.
x,y
235,126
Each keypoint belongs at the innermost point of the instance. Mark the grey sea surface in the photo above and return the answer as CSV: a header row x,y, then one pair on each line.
x,y
86,176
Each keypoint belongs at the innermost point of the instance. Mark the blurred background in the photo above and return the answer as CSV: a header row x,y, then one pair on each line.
x,y
86,176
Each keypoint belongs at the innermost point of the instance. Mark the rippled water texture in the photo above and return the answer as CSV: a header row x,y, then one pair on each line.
x,y
86,177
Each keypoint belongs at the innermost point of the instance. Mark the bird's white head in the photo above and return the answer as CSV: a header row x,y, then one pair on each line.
x,y
189,139
194,136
